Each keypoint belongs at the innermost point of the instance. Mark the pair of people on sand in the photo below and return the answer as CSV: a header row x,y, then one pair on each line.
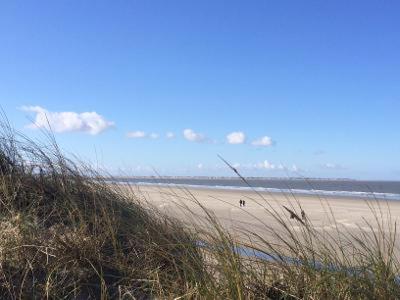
x,y
242,203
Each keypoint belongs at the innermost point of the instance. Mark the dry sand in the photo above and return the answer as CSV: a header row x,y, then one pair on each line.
x,y
349,214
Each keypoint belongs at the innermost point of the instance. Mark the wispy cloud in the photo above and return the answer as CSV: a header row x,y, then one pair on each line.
x,y
264,141
154,135
193,136
236,137
170,135
263,165
269,166
88,122
138,134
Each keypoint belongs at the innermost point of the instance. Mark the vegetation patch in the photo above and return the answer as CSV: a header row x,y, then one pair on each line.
x,y
66,233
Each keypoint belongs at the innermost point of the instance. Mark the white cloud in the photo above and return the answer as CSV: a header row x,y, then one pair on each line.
x,y
266,165
280,167
136,134
139,134
170,135
192,136
295,168
154,135
236,137
264,141
200,166
236,165
88,122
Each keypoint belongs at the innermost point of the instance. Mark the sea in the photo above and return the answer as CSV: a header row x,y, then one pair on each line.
x,y
371,189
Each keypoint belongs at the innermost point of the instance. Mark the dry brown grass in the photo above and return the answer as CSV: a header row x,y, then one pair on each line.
x,y
67,234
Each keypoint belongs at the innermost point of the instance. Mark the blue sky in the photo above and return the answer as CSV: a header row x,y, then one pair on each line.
x,y
308,88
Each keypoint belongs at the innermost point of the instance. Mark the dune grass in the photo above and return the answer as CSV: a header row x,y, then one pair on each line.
x,y
66,233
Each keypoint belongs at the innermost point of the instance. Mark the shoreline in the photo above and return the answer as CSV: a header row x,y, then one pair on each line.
x,y
326,194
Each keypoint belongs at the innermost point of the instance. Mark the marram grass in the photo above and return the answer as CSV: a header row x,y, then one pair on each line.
x,y
65,233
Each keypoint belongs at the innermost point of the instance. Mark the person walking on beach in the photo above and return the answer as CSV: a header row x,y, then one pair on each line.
x,y
244,202
240,202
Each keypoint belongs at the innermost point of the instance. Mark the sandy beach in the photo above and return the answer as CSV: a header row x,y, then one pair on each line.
x,y
350,214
